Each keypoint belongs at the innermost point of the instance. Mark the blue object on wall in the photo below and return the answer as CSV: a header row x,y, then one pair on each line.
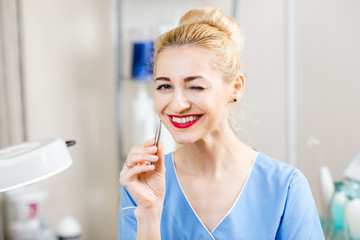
x,y
142,64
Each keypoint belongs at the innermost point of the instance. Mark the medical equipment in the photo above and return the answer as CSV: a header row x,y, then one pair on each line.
x,y
352,170
69,228
33,161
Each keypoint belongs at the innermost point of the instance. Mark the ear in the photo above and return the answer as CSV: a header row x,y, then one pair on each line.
x,y
237,88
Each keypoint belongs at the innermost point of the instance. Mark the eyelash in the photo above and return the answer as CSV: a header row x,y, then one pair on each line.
x,y
163,87
197,88
167,86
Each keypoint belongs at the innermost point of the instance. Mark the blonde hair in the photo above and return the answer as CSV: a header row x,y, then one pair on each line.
x,y
212,29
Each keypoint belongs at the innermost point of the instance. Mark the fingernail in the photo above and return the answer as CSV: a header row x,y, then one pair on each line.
x,y
148,141
153,157
152,148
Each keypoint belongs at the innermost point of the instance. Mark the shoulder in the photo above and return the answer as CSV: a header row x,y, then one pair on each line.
x,y
274,171
284,187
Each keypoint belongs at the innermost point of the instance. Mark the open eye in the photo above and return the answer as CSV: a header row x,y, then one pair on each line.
x,y
164,87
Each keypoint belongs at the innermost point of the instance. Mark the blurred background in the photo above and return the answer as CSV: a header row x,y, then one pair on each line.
x,y
66,70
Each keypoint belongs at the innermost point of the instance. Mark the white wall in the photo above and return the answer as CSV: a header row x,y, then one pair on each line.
x,y
328,84
70,93
264,67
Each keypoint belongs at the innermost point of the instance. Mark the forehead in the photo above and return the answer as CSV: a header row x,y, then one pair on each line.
x,y
187,60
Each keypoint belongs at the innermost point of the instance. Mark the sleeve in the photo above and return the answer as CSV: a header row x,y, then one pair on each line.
x,y
127,221
300,219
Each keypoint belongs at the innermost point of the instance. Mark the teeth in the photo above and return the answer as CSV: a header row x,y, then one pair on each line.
x,y
185,119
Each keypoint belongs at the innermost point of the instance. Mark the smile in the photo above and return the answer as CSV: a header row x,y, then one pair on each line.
x,y
184,121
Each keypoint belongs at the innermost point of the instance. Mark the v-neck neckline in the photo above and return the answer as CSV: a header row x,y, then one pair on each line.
x,y
234,204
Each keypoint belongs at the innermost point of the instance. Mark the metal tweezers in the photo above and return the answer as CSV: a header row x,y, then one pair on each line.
x,y
157,136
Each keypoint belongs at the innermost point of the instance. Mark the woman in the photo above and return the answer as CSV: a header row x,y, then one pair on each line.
x,y
215,186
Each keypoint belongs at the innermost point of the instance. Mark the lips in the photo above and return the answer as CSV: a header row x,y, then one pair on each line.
x,y
184,121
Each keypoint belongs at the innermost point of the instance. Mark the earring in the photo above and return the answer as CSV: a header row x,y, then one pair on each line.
x,y
235,100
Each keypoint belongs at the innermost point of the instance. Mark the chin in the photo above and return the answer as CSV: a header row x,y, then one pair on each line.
x,y
183,140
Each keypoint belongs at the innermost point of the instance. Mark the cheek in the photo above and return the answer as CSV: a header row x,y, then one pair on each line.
x,y
160,103
157,104
214,103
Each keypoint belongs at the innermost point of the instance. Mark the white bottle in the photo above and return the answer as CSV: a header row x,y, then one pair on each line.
x,y
338,205
69,228
352,217
143,116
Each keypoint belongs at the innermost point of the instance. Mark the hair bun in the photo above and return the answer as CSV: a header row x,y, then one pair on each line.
x,y
218,18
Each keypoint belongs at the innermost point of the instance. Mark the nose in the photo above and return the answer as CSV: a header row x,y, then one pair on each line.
x,y
180,103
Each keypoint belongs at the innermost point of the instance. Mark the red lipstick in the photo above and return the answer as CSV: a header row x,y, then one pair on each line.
x,y
184,125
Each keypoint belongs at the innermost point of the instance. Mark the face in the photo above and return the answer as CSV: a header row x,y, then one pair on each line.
x,y
191,97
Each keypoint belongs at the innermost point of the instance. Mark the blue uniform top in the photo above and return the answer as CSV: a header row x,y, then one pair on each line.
x,y
275,203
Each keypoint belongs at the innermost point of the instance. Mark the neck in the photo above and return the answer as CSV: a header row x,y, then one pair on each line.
x,y
215,155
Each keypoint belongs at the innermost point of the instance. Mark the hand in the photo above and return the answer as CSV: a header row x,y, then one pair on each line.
x,y
145,182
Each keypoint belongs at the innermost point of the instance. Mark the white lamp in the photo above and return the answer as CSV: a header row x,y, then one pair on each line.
x,y
33,161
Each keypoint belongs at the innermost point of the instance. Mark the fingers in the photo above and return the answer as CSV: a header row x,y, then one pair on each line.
x,y
139,158
160,165
149,142
138,161
143,154
140,169
132,173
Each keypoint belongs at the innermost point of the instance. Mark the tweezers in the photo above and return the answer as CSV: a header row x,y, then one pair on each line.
x,y
157,136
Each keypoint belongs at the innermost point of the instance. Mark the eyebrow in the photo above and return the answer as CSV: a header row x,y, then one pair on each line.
x,y
162,78
190,78
187,79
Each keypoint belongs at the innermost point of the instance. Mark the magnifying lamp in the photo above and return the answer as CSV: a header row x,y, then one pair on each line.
x,y
33,161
